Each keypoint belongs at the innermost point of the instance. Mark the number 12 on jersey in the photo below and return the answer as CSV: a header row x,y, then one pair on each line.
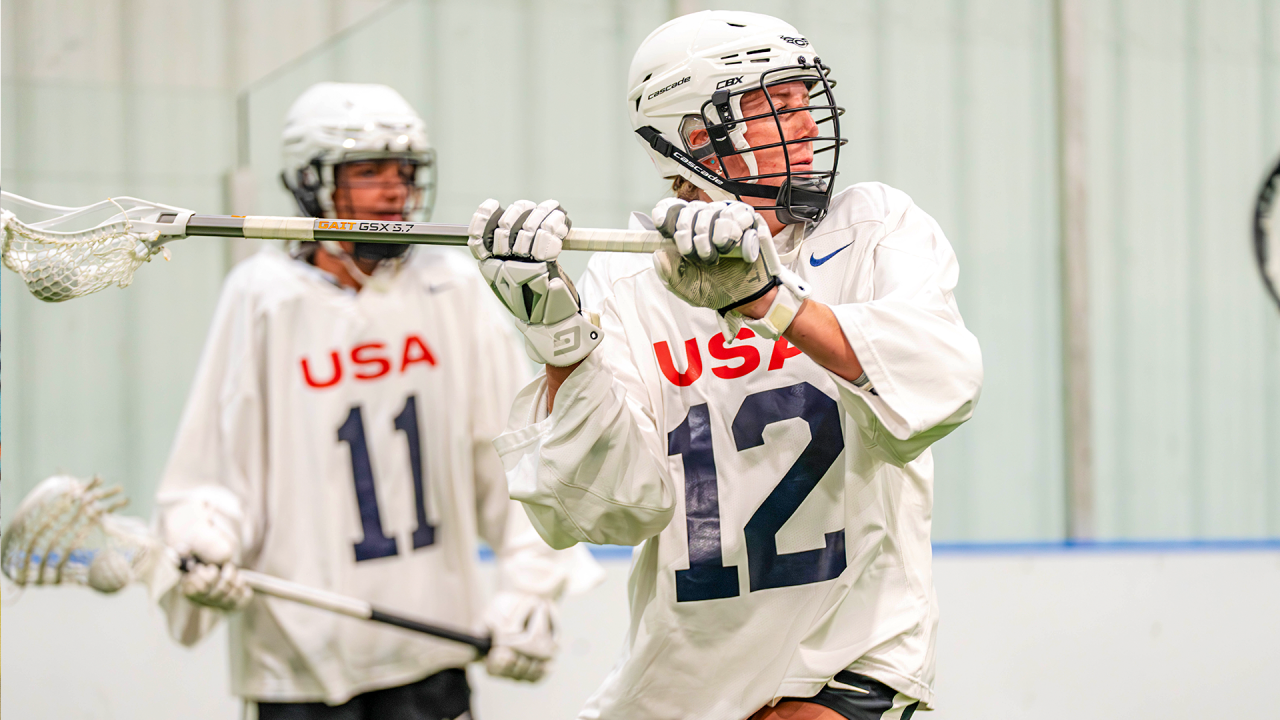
x,y
707,578
375,543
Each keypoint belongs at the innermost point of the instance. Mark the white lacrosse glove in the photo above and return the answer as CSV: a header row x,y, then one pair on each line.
x,y
704,231
206,541
524,641
695,271
517,250
217,586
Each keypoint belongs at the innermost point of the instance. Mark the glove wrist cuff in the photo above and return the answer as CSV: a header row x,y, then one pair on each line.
x,y
792,292
568,342
773,282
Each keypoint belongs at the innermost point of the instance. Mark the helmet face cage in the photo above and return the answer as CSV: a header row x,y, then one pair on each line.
x,y
314,185
802,195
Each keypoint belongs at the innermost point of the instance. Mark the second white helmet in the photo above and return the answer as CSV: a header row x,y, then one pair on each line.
x,y
334,123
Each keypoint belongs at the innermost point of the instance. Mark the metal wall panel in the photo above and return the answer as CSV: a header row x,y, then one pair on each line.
x,y
124,97
951,101
1183,124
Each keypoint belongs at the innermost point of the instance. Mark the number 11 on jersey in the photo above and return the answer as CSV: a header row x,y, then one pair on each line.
x,y
375,543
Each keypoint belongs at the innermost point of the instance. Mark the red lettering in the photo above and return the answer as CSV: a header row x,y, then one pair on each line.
x,y
383,364
416,351
337,372
668,366
781,351
748,354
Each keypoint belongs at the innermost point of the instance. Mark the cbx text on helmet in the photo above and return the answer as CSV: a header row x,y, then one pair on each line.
x,y
693,72
335,123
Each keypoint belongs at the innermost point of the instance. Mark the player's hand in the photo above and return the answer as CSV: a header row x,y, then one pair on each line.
x,y
704,231
208,546
721,287
524,641
695,271
221,587
517,249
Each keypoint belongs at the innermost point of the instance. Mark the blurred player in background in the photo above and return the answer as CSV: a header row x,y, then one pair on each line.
x,y
782,484
339,434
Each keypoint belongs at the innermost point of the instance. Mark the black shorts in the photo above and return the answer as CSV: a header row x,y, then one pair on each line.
x,y
869,700
443,696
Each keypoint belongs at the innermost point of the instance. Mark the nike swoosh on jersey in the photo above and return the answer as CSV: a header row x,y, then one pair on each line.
x,y
836,683
815,261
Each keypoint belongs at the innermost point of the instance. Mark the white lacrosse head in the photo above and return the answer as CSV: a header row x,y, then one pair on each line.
x,y
333,123
682,66
74,251
64,532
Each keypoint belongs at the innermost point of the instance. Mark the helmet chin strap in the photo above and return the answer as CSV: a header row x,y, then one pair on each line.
x,y
715,185
361,278
719,193
335,249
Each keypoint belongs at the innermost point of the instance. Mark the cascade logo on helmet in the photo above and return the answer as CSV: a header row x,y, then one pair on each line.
x,y
797,41
672,86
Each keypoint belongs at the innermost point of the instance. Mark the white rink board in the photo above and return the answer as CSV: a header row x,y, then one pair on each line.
x,y
1071,635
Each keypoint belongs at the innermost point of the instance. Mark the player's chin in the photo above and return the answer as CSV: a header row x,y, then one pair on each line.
x,y
396,216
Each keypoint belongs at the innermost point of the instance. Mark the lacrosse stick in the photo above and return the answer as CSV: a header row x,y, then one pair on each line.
x,y
68,255
65,532
1266,233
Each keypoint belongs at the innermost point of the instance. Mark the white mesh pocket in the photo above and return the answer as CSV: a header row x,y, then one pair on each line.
x,y
64,533
61,266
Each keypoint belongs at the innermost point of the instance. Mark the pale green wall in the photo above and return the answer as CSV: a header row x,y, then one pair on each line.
x,y
124,97
1184,120
953,102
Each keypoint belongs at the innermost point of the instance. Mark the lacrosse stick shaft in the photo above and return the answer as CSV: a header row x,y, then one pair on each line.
x,y
300,228
64,532
352,607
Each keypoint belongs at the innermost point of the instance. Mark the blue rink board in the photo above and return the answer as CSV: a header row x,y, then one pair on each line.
x,y
1045,547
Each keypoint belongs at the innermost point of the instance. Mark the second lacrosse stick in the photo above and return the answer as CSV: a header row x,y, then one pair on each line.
x,y
65,532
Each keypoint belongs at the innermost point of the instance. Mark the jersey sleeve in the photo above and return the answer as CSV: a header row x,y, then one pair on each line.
x,y
924,366
595,470
526,563
217,465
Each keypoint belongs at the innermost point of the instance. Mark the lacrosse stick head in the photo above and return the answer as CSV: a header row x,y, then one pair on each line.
x,y
1266,233
65,533
68,255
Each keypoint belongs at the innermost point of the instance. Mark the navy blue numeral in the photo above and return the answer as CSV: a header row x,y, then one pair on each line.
x,y
707,578
407,421
768,569
375,543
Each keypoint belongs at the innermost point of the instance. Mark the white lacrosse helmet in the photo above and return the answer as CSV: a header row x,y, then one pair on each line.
x,y
334,123
692,72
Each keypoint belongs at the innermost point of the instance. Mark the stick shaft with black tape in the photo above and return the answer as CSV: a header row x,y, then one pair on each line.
x,y
352,607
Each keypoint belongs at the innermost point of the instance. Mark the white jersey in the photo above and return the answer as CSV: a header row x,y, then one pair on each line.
x,y
785,512
349,437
